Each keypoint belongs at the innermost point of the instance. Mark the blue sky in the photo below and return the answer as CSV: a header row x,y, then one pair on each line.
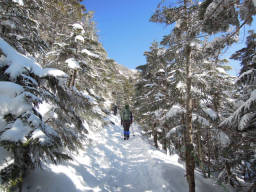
x,y
126,33
124,28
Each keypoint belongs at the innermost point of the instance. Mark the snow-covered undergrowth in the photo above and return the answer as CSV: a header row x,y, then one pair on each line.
x,y
108,163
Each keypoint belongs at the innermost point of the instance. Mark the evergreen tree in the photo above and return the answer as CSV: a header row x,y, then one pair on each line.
x,y
192,19
149,96
30,138
185,31
242,121
219,15
23,131
19,28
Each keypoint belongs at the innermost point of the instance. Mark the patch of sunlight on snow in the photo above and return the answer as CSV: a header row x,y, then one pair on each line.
x,y
71,173
86,160
95,189
173,159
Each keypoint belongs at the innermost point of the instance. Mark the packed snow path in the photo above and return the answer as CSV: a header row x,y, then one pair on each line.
x,y
111,164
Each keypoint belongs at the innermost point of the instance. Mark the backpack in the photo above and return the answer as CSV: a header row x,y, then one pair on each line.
x,y
126,115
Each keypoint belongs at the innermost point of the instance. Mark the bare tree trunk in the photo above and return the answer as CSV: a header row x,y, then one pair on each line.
x,y
164,140
189,148
155,135
71,82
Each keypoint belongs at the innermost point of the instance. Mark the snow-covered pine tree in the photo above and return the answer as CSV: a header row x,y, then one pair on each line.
x,y
151,92
75,41
218,16
185,16
24,132
56,16
193,18
212,88
242,121
210,85
19,27
62,29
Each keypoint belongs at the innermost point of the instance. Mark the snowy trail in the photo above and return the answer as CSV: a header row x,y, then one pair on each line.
x,y
111,164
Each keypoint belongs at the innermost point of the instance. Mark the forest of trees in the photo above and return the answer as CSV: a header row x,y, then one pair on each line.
x,y
187,102
50,56
184,98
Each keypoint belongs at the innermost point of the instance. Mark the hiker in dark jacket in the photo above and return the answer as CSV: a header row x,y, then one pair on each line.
x,y
126,121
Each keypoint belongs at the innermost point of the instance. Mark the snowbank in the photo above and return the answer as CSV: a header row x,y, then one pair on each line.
x,y
109,163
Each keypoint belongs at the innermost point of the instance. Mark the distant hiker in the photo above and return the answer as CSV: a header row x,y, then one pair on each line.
x,y
115,109
126,121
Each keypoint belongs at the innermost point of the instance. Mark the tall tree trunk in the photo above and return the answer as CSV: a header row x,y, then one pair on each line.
x,y
155,134
189,148
73,78
164,140
70,81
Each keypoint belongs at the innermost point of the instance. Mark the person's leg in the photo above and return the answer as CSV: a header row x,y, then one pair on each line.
x,y
124,134
126,129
